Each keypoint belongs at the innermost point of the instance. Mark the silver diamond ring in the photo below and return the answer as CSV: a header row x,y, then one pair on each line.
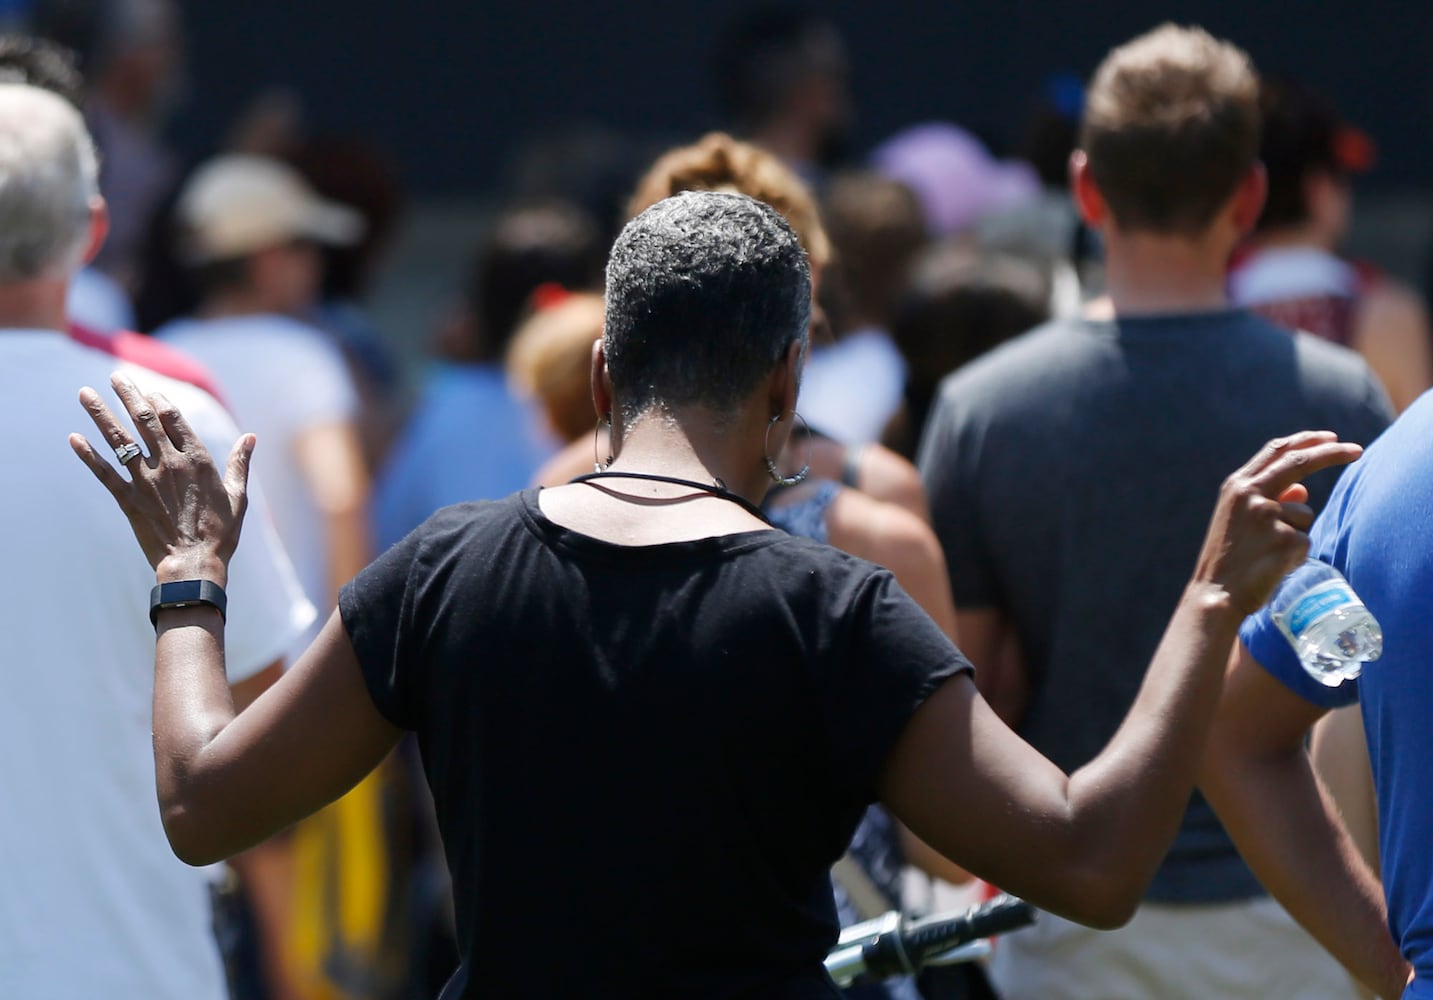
x,y
126,452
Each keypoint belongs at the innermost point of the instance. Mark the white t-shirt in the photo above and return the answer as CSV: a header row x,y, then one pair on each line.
x,y
1279,274
94,902
281,378
852,388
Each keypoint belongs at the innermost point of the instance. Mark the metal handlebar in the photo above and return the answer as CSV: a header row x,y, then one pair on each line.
x,y
890,946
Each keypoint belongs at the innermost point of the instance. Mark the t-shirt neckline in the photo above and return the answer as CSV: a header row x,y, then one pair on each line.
x,y
561,537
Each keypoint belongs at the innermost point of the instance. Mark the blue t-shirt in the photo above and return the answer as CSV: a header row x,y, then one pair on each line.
x,y
468,439
1378,530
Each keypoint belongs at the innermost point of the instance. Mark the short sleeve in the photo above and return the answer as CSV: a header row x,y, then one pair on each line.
x,y
894,658
267,611
947,463
1273,652
1268,645
376,610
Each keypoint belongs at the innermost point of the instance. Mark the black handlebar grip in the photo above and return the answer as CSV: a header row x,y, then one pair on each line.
x,y
933,935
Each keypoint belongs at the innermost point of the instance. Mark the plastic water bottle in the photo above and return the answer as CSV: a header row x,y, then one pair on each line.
x,y
1326,623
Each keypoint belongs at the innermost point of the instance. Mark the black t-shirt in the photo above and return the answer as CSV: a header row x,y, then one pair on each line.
x,y
644,759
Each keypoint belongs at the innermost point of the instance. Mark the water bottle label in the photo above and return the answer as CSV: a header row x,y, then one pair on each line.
x,y
1315,604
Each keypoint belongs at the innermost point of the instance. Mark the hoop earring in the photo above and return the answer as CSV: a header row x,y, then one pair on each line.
x,y
597,464
771,469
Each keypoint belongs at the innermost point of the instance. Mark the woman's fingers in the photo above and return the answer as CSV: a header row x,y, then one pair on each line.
x,y
144,415
236,473
176,502
111,480
1260,527
116,435
176,428
1274,449
1298,457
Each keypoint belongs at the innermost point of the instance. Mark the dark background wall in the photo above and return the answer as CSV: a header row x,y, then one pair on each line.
x,y
453,88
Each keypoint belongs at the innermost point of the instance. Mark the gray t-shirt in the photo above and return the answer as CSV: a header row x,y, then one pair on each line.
x,y
1072,474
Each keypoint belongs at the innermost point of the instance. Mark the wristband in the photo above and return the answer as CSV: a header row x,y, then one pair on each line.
x,y
183,594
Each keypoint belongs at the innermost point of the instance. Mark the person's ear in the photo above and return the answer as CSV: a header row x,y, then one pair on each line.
x,y
786,379
1249,198
601,382
98,228
1091,205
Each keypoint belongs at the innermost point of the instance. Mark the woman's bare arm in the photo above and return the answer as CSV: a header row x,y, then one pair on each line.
x,y
226,781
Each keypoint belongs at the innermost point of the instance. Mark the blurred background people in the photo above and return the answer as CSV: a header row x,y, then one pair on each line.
x,y
958,303
852,387
957,182
1291,271
1047,230
250,229
131,53
550,358
783,76
468,437
358,175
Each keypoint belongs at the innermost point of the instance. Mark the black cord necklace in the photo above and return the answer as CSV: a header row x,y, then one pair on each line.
x,y
716,488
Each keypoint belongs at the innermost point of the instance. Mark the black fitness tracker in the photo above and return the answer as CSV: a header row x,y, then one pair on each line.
x,y
184,593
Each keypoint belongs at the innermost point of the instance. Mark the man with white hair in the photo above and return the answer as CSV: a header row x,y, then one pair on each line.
x,y
95,902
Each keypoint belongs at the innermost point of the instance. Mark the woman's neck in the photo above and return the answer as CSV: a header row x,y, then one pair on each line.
x,y
694,446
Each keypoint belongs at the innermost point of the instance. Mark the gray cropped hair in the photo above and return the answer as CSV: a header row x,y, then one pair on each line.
x,y
706,291
49,177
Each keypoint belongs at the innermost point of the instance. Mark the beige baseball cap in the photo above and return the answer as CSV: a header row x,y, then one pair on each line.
x,y
238,204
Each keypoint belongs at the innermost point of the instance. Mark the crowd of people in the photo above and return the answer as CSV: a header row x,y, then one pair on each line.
x,y
792,538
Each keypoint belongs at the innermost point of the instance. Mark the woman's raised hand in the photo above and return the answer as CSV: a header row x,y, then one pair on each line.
x,y
185,515
1259,530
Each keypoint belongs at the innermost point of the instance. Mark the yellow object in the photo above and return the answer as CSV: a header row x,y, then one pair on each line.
x,y
341,887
